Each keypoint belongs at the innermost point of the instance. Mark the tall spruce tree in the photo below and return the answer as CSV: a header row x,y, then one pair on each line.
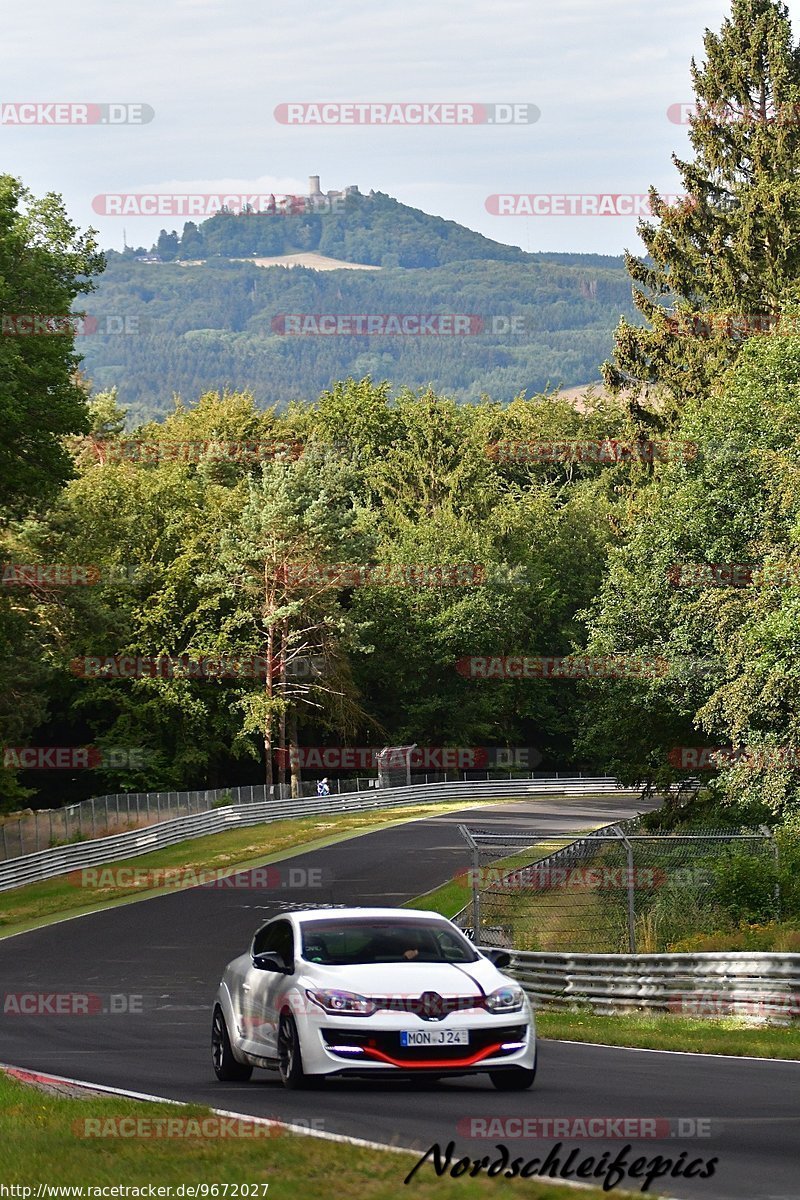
x,y
731,247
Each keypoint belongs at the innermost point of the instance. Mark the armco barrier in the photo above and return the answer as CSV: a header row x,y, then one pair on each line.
x,y
762,986
38,829
48,863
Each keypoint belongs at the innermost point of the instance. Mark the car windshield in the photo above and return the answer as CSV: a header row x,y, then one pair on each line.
x,y
371,941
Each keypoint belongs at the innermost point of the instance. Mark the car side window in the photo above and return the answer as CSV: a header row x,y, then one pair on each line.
x,y
276,938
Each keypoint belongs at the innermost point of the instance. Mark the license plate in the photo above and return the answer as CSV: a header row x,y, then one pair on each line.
x,y
434,1037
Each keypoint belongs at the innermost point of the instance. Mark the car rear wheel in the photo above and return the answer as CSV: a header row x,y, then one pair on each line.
x,y
226,1067
290,1060
513,1079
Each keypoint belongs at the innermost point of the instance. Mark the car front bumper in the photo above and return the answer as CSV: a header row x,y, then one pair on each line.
x,y
343,1045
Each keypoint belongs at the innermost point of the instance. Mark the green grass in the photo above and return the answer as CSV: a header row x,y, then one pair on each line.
x,y
448,899
43,1142
38,904
452,896
662,1031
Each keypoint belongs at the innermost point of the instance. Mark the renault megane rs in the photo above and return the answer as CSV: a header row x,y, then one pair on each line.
x,y
371,992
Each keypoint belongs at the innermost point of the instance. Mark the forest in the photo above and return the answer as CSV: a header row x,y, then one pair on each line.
x,y
206,322
623,573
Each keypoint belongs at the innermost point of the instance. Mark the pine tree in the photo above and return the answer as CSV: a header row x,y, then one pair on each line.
x,y
731,246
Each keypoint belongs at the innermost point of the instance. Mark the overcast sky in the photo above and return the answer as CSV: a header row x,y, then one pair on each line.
x,y
602,72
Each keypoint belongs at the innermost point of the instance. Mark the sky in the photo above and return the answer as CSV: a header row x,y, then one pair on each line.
x,y
602,73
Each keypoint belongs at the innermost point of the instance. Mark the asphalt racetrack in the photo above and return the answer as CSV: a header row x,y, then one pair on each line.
x,y
170,952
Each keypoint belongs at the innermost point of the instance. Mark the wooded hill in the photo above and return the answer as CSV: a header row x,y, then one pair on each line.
x,y
538,320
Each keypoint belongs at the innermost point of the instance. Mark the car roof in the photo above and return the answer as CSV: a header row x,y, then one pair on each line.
x,y
301,915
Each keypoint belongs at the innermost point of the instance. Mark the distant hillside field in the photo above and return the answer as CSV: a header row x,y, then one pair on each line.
x,y
214,314
317,262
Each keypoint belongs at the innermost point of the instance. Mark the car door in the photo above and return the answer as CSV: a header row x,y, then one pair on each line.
x,y
264,990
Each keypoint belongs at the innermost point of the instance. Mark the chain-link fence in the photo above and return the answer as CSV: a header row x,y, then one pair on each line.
x,y
616,890
42,829
102,816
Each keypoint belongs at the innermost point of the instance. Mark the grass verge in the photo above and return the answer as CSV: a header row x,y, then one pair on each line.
x,y
662,1031
43,1140
37,904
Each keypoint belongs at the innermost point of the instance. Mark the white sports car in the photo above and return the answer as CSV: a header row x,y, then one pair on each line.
x,y
371,992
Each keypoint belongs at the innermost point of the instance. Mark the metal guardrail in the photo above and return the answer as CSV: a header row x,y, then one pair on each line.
x,y
100,816
46,864
38,829
760,985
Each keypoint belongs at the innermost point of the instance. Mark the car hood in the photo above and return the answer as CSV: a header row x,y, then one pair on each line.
x,y
409,978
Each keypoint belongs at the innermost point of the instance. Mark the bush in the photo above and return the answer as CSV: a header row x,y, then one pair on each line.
x,y
707,810
771,936
223,801
744,885
70,841
789,872
676,912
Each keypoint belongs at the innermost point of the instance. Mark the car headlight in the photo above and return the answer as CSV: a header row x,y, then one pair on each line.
x,y
346,1003
505,1000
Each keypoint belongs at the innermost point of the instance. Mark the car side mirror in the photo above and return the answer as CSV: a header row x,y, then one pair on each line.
x,y
270,961
500,958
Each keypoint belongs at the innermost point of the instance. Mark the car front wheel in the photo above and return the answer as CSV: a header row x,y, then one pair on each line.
x,y
226,1067
290,1060
513,1079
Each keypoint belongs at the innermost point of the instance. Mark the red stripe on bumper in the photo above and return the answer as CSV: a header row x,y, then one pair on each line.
x,y
487,1052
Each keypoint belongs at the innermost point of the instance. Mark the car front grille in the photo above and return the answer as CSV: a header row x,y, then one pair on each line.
x,y
416,1004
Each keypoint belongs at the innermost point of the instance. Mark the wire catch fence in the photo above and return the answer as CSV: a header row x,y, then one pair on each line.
x,y
615,889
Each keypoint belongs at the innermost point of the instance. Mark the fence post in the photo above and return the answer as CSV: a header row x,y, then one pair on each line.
x,y
768,834
631,894
476,874
5,843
